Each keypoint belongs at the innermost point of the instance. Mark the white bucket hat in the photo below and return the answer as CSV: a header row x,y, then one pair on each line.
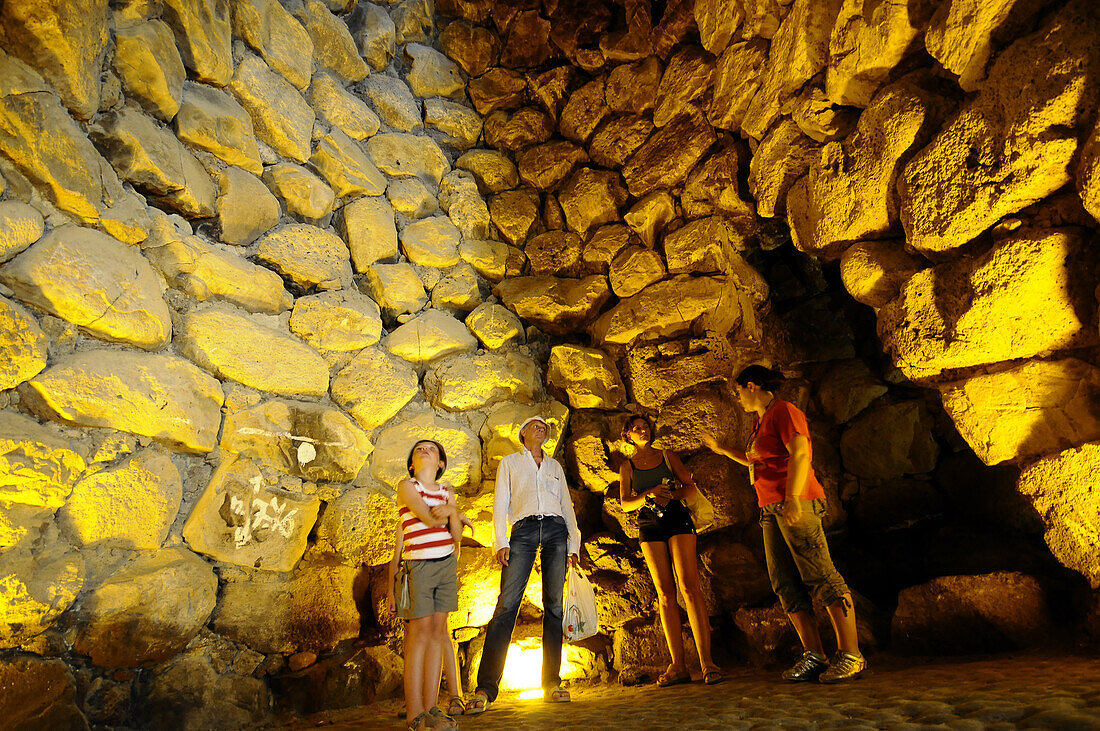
x,y
531,419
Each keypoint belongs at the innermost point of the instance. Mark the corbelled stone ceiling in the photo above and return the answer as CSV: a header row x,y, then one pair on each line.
x,y
251,249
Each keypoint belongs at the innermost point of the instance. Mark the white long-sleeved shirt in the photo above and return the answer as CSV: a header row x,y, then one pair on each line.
x,y
524,489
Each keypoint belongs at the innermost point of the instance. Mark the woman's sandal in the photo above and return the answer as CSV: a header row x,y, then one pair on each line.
x,y
472,707
422,718
457,706
557,695
713,677
667,679
440,721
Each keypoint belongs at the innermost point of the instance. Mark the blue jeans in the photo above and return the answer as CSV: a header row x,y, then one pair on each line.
x,y
526,537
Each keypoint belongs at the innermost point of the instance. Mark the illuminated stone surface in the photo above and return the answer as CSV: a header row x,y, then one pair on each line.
x,y
303,193
374,386
430,336
405,155
431,242
554,252
737,78
781,159
158,396
685,418
367,225
518,130
411,197
37,467
478,577
490,259
1061,488
584,111
413,20
555,305
359,525
634,269
545,166
150,68
458,290
22,523
591,198
818,118
203,36
664,309
394,102
632,88
309,256
243,520
498,88
514,213
460,199
280,40
587,376
38,587
373,31
874,272
280,116
342,162
476,381
109,288
473,48
395,287
618,138
431,73
649,216
148,611
335,106
669,154
22,345
131,505
20,226
246,208
333,46
388,464
343,320
901,435
688,76
1088,173
717,23
494,325
492,170
847,389
460,124
605,244
500,432
655,376
212,120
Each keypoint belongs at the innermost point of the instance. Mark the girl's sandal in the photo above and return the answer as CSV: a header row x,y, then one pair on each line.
x,y
457,706
421,722
557,695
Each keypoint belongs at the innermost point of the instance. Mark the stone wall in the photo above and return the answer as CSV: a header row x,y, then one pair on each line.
x,y
252,249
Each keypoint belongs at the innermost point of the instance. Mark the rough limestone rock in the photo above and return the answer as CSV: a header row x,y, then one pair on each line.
x,y
409,196
405,155
558,306
460,125
359,526
281,117
544,167
339,108
847,388
242,520
131,505
45,144
873,272
500,432
204,35
373,31
148,611
303,193
554,252
737,78
632,87
493,171
269,29
462,445
474,381
431,73
1032,409
890,440
991,308
477,577
374,386
666,309
333,46
20,226
494,325
685,418
605,244
519,130
798,51
655,376
1013,144
591,197
704,245
848,192
963,614
210,119
395,287
342,162
159,396
713,186
498,88
65,43
472,47
669,155
246,208
649,216
514,213
634,269
868,43
491,259
393,101
717,23
37,467
155,161
310,257
587,376
1088,173
781,159
688,76
341,321
431,242
39,693
37,589
368,226
311,441
458,290
818,118
429,337
109,289
466,208
23,345
415,21
619,138
206,272
1060,488
150,67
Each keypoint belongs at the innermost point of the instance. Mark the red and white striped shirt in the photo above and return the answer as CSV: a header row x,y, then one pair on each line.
x,y
421,541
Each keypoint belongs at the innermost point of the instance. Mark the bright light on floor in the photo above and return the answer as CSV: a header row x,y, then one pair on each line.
x,y
528,695
523,666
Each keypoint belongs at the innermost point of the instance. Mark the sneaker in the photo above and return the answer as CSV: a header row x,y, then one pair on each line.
x,y
808,667
845,666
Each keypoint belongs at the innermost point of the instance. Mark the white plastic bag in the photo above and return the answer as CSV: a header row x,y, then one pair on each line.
x,y
580,619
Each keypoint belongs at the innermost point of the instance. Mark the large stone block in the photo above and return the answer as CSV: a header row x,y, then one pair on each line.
x,y
781,159
669,155
389,466
232,345
281,41
309,256
1088,173
210,119
666,309
431,242
39,693
717,23
544,167
240,519
685,418
558,306
38,588
1017,300
431,73
148,611
63,41
554,252
518,130
341,161
460,198
37,467
500,432
1014,143
336,106
458,291
496,89
340,321
632,87
306,440
280,116
23,345
374,386
494,171
430,336
246,208
374,32
737,78
618,138
394,102
890,440
359,525
475,381
494,325
656,375
395,287
405,155
687,78
847,388
20,226
472,47
158,396
204,35
333,46
303,194
591,197
633,269
411,197
514,213
150,67
874,272
109,289
460,125
1062,488
367,225
130,505
587,376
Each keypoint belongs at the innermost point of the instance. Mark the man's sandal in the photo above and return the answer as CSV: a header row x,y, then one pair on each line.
x,y
478,704
457,706
557,695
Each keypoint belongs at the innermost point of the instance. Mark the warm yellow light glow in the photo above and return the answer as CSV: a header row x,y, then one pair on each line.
x,y
523,666
529,695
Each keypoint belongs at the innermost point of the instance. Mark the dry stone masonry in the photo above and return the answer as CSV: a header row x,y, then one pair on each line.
x,y
251,249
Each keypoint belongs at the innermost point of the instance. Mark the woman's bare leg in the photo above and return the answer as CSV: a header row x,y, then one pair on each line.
x,y
660,568
686,560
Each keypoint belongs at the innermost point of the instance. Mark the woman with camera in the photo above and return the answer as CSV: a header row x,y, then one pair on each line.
x,y
655,483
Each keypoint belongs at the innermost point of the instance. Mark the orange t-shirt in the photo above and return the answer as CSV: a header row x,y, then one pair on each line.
x,y
768,454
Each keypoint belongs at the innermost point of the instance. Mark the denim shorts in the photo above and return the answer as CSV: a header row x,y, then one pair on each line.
x,y
799,564
433,586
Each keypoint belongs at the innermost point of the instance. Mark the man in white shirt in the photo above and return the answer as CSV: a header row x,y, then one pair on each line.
x,y
532,500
